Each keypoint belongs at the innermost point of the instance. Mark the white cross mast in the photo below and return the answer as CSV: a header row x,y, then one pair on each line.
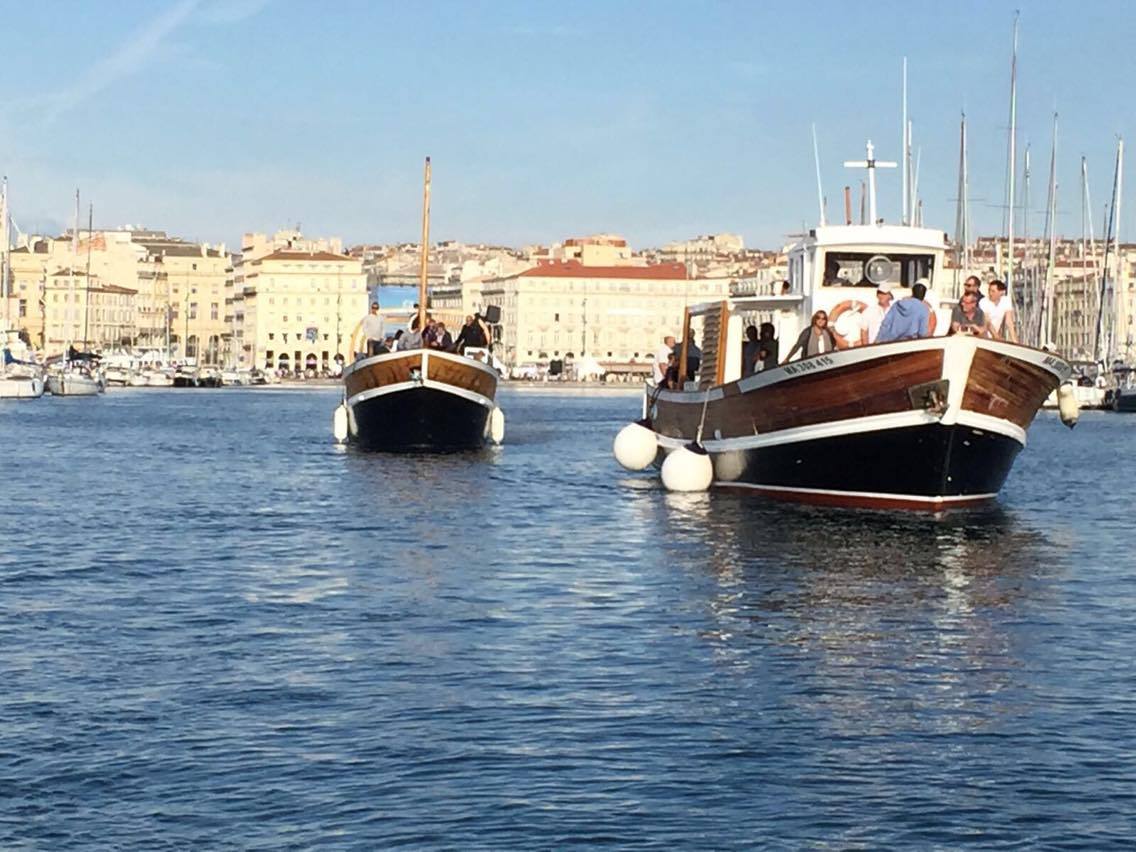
x,y
871,164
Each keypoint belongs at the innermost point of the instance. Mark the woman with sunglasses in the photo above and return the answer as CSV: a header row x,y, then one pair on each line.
x,y
817,339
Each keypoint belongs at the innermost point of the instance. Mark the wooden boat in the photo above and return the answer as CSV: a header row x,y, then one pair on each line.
x,y
925,423
420,400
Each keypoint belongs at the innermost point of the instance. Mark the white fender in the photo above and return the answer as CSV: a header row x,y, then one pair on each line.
x,y
497,425
635,446
1067,404
339,423
688,469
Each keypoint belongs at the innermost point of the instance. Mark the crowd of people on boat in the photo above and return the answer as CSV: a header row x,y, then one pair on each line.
x,y
886,320
912,317
474,334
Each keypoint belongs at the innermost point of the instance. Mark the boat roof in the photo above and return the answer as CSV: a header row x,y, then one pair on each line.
x,y
873,237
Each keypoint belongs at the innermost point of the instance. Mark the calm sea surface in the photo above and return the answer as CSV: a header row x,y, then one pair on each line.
x,y
220,631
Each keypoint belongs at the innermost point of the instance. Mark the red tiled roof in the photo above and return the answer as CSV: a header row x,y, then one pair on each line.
x,y
575,269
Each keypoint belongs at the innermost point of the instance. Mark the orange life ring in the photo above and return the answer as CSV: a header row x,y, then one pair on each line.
x,y
847,304
932,321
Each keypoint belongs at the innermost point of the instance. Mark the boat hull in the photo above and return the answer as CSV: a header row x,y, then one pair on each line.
x,y
419,402
927,467
69,385
419,420
929,424
1124,401
21,388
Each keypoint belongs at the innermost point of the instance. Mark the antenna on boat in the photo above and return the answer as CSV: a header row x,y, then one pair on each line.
x,y
905,147
820,190
1011,160
422,269
962,213
871,164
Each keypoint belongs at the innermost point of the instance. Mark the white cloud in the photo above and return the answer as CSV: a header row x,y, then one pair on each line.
x,y
127,59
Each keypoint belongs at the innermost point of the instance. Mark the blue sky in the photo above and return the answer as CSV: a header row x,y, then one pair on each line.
x,y
656,120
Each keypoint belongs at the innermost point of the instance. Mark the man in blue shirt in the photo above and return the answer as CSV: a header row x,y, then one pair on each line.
x,y
908,318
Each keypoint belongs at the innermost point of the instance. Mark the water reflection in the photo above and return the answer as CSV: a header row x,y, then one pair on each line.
x,y
865,607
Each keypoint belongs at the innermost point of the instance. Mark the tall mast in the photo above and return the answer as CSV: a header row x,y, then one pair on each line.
x,y
87,278
425,250
1105,319
1011,163
1045,336
74,265
904,218
962,213
5,258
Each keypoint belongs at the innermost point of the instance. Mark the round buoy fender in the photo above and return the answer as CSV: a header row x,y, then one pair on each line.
x,y
688,469
635,446
496,425
339,423
1067,404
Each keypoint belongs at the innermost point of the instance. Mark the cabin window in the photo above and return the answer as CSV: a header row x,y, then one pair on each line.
x,y
870,269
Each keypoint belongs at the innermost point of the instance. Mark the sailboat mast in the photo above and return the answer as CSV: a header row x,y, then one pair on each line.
x,y
1045,336
904,219
1012,158
5,284
87,274
74,266
1103,343
422,270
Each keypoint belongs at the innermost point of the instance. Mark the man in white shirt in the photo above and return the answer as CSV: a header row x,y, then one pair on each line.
x,y
872,316
373,331
659,365
1000,312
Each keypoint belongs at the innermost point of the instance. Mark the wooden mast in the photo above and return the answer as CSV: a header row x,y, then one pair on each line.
x,y
425,251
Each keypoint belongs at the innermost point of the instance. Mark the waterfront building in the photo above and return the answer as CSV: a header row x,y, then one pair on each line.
x,y
81,311
562,310
297,302
179,291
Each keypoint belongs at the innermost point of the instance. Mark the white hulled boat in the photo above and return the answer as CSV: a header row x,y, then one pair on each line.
x,y
20,376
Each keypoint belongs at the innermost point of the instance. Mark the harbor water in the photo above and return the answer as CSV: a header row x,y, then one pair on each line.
x,y
221,631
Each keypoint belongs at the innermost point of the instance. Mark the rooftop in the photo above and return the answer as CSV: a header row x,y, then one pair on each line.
x,y
575,269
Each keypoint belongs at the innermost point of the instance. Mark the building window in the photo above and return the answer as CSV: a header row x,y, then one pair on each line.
x,y
213,314
271,336
193,310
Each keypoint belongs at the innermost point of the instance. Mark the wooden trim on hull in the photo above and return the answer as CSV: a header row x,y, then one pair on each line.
x,y
878,386
397,368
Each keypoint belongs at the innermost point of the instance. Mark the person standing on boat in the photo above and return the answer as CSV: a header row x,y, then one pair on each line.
x,y
769,347
908,318
659,366
968,318
873,316
999,312
751,352
373,332
817,339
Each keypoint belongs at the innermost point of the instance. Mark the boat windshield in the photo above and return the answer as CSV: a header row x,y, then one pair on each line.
x,y
870,269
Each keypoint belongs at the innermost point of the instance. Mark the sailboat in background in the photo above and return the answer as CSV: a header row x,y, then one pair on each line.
x,y
420,400
78,373
20,376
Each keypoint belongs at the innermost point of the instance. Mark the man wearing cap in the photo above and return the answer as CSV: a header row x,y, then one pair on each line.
x,y
373,332
872,316
908,318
